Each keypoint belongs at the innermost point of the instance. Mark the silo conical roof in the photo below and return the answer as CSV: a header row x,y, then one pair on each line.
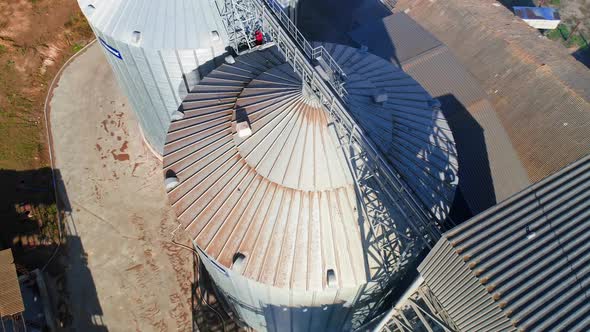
x,y
284,197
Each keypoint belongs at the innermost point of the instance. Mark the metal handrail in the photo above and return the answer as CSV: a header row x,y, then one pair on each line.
x,y
329,89
300,55
312,53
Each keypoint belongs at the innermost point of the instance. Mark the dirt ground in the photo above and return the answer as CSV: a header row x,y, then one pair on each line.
x,y
36,37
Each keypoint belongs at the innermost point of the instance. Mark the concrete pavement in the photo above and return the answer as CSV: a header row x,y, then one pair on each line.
x,y
123,272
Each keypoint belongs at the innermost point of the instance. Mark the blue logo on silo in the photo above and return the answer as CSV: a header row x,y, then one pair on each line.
x,y
111,49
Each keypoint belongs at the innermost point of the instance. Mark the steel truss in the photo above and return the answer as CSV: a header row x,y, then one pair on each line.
x,y
399,226
421,311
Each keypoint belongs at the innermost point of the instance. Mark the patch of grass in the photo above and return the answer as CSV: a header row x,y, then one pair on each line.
x,y
22,50
562,33
555,3
48,215
78,24
19,126
22,94
77,47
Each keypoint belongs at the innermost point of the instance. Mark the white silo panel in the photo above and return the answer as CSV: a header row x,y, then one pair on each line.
x,y
262,293
237,289
142,82
301,301
189,64
188,60
318,321
163,82
147,78
280,305
205,61
324,300
163,28
347,298
152,120
243,292
173,68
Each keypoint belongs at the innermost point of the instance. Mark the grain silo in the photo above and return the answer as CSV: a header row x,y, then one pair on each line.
x,y
157,49
310,178
305,214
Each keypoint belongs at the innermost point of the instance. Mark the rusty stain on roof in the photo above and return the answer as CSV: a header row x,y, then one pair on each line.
x,y
284,197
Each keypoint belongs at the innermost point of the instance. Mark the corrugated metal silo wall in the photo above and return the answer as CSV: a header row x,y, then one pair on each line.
x,y
267,308
155,81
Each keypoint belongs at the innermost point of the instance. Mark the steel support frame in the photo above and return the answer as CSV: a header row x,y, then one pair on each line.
x,y
430,317
373,176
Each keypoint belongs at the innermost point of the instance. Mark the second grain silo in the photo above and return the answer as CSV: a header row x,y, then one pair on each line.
x,y
299,218
157,49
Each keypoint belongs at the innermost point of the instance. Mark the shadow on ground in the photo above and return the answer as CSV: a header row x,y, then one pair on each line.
x,y
40,240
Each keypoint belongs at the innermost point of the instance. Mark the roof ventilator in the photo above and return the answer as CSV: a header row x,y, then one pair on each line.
x,y
380,97
90,9
239,262
332,281
136,38
177,115
230,59
171,180
529,233
243,129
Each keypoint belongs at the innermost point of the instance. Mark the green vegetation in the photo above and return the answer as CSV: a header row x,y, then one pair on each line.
x,y
47,214
17,122
2,49
77,24
77,47
562,33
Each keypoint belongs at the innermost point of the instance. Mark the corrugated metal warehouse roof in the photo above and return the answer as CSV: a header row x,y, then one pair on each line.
x,y
284,197
523,264
11,300
395,37
539,91
490,169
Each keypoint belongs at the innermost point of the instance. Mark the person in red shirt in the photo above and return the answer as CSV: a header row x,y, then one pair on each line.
x,y
258,37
